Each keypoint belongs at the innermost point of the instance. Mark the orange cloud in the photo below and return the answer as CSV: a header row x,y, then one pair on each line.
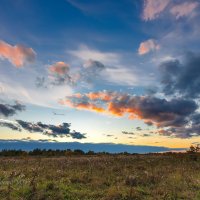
x,y
82,105
102,95
59,68
152,110
18,55
147,46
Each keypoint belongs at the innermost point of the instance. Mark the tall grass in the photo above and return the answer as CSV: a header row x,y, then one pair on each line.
x,y
105,177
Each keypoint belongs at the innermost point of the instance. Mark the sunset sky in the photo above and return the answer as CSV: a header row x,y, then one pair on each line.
x,y
91,71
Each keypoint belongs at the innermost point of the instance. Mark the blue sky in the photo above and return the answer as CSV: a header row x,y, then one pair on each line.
x,y
113,71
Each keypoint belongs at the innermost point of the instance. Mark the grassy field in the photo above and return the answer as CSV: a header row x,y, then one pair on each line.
x,y
105,177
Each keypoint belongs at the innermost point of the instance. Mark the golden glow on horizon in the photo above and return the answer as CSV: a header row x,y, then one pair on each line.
x,y
154,140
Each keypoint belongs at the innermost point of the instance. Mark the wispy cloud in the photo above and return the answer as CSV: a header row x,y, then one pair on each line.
x,y
184,9
85,53
153,8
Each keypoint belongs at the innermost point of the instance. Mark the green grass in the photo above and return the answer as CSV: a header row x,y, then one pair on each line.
x,y
108,177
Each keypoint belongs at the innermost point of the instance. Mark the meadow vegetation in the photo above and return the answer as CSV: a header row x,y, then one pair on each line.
x,y
100,176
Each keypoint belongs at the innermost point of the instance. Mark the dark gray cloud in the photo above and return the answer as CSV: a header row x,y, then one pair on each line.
x,y
59,114
161,112
77,135
127,133
109,135
167,113
138,128
148,123
189,129
51,130
62,130
8,110
182,78
145,135
10,124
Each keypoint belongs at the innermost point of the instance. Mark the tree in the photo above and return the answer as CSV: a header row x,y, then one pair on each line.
x,y
194,149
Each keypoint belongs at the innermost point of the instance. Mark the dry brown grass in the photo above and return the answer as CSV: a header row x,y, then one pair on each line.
x,y
106,177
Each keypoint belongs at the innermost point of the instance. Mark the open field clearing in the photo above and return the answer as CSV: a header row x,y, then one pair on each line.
x,y
105,177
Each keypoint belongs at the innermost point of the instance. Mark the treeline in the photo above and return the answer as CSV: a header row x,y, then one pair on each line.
x,y
44,152
69,152
50,152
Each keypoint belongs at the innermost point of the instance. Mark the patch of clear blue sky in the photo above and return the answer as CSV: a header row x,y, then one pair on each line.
x,y
51,27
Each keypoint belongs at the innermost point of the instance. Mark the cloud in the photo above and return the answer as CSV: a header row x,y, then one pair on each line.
x,y
161,112
18,55
145,135
83,105
153,8
101,95
58,114
87,7
8,110
77,135
91,70
108,67
59,68
28,93
109,135
127,133
191,128
182,78
177,117
184,9
147,46
84,53
60,74
10,124
138,128
122,75
46,129
40,82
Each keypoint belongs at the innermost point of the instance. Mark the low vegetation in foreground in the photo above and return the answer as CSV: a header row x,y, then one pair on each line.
x,y
101,176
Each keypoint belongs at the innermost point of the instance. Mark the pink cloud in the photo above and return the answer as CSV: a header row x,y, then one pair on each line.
x,y
153,8
59,68
18,55
183,9
147,46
